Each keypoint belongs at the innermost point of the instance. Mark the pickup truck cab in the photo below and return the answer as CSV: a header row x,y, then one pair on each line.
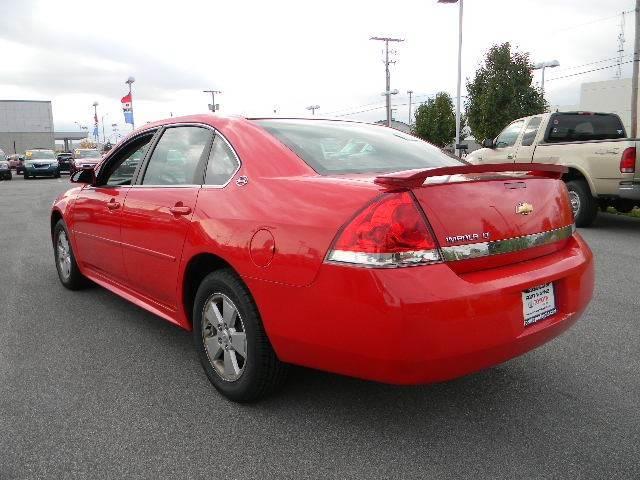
x,y
594,146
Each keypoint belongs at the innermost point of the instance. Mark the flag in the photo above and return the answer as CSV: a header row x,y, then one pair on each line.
x,y
127,108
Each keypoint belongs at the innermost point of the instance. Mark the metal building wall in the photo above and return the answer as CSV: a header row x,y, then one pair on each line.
x,y
25,124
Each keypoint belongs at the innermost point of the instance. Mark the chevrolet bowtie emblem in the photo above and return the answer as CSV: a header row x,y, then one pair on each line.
x,y
524,208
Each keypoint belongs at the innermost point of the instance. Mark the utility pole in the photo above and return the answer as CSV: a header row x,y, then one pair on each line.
x,y
213,107
387,93
313,108
410,92
634,81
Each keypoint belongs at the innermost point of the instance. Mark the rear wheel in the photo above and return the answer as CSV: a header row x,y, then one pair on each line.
x,y
583,204
26,175
68,270
231,342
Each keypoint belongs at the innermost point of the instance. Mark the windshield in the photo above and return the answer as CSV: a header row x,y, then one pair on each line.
x,y
40,154
87,154
343,147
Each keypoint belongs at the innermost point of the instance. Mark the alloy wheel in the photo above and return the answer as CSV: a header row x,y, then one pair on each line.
x,y
575,202
64,255
224,337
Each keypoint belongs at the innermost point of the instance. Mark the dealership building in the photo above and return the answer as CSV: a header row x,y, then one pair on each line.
x,y
25,124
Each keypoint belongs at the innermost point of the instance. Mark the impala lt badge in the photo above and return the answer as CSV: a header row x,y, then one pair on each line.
x,y
468,237
524,208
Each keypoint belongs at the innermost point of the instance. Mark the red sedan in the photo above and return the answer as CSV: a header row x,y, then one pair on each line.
x,y
277,243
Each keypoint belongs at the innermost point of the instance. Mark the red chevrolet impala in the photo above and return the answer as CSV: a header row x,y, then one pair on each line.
x,y
346,247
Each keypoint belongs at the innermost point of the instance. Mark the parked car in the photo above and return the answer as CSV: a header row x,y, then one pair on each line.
x,y
83,158
40,162
64,161
16,162
594,146
399,264
5,169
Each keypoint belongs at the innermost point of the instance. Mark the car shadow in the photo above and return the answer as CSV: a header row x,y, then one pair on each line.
x,y
615,222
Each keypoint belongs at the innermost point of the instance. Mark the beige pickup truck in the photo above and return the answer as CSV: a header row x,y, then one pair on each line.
x,y
594,146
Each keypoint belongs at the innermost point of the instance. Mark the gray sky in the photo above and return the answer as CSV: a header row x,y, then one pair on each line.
x,y
284,54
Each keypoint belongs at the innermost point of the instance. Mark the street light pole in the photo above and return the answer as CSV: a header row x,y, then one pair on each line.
x,y
212,107
410,92
457,142
634,79
387,93
542,66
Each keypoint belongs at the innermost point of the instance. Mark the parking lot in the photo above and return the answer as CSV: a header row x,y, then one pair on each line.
x,y
93,387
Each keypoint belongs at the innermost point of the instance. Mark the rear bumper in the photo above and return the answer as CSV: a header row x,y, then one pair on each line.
x,y
630,190
421,324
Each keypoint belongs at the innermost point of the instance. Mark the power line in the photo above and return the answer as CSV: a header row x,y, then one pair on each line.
x,y
588,71
590,22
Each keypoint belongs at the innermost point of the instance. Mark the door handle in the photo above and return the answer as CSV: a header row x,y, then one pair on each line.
x,y
510,156
113,205
180,210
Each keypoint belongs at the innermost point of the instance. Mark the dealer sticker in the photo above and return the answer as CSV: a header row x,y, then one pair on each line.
x,y
538,303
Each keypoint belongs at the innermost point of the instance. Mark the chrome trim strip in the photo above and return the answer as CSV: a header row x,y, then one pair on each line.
x,y
383,260
509,245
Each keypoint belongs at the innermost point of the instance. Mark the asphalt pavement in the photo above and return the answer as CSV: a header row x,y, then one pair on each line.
x,y
92,386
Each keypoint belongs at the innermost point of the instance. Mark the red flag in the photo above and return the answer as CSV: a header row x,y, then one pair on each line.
x,y
95,117
126,98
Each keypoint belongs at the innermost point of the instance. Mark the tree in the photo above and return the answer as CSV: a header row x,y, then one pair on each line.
x,y
501,91
436,120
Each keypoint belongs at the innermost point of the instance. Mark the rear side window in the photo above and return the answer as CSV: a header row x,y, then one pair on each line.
x,y
176,157
575,127
334,147
222,163
530,131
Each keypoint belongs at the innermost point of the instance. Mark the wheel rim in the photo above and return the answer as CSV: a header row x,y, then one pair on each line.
x,y
575,202
64,255
224,337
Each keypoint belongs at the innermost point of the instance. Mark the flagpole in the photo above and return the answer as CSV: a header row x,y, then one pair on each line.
x,y
129,82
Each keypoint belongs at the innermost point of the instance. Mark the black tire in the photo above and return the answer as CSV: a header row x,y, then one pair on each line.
x,y
57,175
587,208
26,176
262,373
74,280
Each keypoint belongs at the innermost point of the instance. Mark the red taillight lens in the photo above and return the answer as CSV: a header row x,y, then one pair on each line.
x,y
390,232
628,160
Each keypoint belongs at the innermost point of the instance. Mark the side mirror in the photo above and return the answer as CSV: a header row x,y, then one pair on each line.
x,y
488,143
86,175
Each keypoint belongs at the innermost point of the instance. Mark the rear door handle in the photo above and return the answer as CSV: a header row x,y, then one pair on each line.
x,y
180,210
510,156
113,205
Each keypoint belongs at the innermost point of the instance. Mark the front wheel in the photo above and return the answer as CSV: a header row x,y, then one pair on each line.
x,y
26,175
68,270
231,342
583,204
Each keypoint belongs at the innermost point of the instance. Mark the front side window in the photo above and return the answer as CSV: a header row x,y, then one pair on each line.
x,y
123,166
222,163
176,157
530,132
509,135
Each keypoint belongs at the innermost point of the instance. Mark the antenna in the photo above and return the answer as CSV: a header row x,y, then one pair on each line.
x,y
621,40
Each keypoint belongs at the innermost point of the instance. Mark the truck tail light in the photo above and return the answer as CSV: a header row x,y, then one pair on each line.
x,y
628,160
389,232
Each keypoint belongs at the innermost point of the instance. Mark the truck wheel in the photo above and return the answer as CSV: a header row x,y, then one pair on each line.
x,y
583,204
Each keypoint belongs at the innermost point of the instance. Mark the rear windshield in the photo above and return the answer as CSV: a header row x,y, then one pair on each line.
x,y
575,127
334,147
87,154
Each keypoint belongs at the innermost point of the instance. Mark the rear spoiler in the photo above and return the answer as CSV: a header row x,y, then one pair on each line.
x,y
415,178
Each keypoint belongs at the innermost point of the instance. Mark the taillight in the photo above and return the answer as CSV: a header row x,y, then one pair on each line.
x,y
628,160
390,232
